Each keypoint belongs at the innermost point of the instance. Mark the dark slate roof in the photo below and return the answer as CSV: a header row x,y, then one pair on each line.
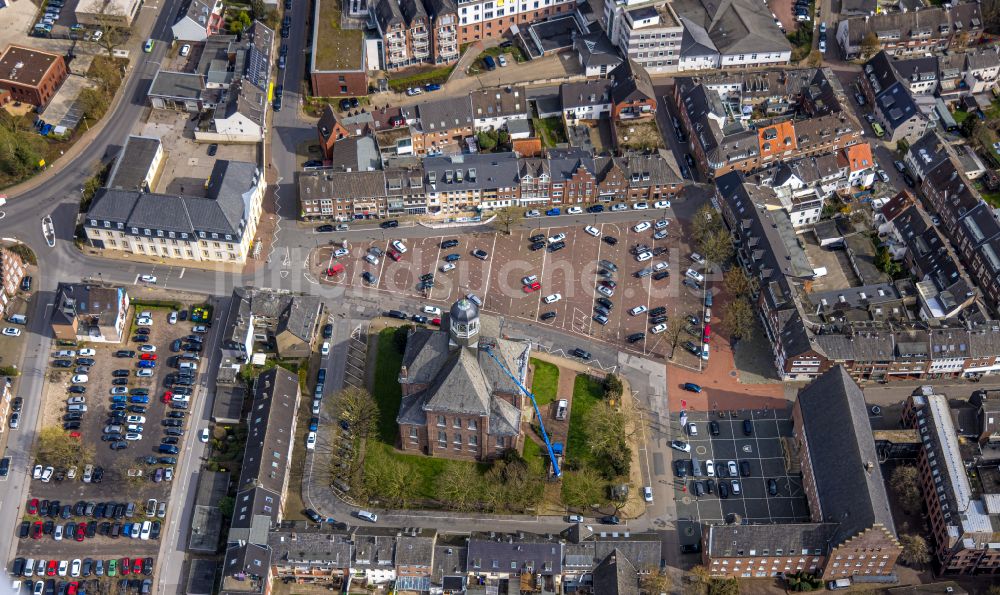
x,y
631,83
842,455
504,552
314,544
445,114
563,163
734,26
595,49
177,85
482,171
133,163
413,10
506,102
791,539
388,14
616,575
353,185
276,394
459,387
584,93
906,24
696,41
425,355
929,150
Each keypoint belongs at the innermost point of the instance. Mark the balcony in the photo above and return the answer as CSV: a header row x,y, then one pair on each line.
x,y
446,34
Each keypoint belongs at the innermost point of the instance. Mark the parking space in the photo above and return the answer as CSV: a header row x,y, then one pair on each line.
x,y
769,490
129,437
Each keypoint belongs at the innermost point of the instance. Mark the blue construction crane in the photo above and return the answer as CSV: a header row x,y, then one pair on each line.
x,y
545,436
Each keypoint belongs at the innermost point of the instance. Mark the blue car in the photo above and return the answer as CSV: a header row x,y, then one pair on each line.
x,y
313,424
552,212
146,364
690,386
596,209
118,399
431,87
139,399
169,449
452,257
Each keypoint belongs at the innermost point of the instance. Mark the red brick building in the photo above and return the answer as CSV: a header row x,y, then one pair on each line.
x,y
330,130
632,94
30,76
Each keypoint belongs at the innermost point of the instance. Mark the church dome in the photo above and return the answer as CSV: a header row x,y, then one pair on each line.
x,y
463,311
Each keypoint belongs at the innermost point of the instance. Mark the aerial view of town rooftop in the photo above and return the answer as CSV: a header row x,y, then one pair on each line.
x,y
499,297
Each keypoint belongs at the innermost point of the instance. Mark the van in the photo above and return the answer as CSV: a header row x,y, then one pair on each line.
x,y
644,272
561,407
475,299
840,583
188,366
695,467
368,516
490,63
17,319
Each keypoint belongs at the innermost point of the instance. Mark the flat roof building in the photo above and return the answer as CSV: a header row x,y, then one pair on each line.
x,y
29,75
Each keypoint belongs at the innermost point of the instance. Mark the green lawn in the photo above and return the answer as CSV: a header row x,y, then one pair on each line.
x,y
336,48
545,382
387,393
550,130
960,116
587,392
993,198
419,79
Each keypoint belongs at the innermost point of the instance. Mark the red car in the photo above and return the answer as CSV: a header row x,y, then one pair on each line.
x,y
533,287
436,322
81,531
394,254
708,332
50,570
125,566
75,434
74,588
33,506
167,396
36,530
148,356
137,566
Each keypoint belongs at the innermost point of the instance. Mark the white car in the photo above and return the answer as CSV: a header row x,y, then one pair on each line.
x,y
147,348
325,348
147,527
11,332
432,310
168,474
413,91
640,206
57,534
200,329
76,400
641,227
144,322
661,223
656,330
551,299
311,441
136,419
145,314
204,435
371,258
557,238
637,310
644,256
529,279
66,353
36,473
661,265
87,353
733,469
47,474
680,445
447,267
574,210
695,275
315,406
80,379
533,213
133,435
647,494
620,207
63,567
399,246
607,291
144,373
172,319
692,429
185,49
592,231
146,278
661,204
710,468
501,61
341,252
704,352
697,258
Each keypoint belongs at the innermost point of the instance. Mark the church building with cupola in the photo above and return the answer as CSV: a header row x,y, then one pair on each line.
x,y
458,401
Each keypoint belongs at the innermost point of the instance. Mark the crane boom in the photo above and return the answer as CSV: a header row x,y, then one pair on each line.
x,y
541,424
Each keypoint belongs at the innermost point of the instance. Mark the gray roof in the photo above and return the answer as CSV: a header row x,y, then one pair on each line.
x,y
564,163
459,387
483,171
223,212
616,575
177,85
415,550
841,451
589,92
337,184
983,58
276,394
426,353
696,41
595,49
514,554
734,26
316,544
498,102
133,163
910,23
792,539
444,114
449,561
357,153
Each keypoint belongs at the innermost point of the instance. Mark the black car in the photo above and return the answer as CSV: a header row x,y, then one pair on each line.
x,y
22,531
170,440
610,240
26,283
661,275
77,389
62,363
610,520
657,311
723,490
537,238
657,320
909,179
325,229
91,530
176,414
691,548
345,103
313,515
605,302
580,353
369,278
557,246
327,331
634,337
744,469
79,507
389,224
772,487
602,310
213,149
548,316
427,277
124,353
659,250
396,314
448,244
681,468
536,246
154,533
172,423
713,428
16,404
747,427
71,425
120,374
710,485
596,209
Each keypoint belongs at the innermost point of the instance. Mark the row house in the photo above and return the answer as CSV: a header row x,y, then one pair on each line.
x,y
443,15
895,108
962,522
459,183
342,196
851,531
441,125
638,177
586,100
982,69
405,32
572,177
913,32
492,109
632,94
735,34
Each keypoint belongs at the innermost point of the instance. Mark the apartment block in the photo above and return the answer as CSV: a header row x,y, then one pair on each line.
x,y
648,33
890,91
914,32
491,19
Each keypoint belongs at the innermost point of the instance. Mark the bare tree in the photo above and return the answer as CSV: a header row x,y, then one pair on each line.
x,y
870,45
507,217
716,246
114,32
358,409
737,318
458,485
904,481
58,449
675,326
656,581
915,552
738,283
584,488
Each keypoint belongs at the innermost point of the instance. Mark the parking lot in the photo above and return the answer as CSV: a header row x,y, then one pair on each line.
x,y
127,460
764,454
572,273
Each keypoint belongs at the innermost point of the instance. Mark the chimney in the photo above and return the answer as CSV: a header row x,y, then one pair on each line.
x,y
869,466
402,373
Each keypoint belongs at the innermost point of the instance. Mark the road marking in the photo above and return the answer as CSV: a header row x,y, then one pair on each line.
x,y
181,276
